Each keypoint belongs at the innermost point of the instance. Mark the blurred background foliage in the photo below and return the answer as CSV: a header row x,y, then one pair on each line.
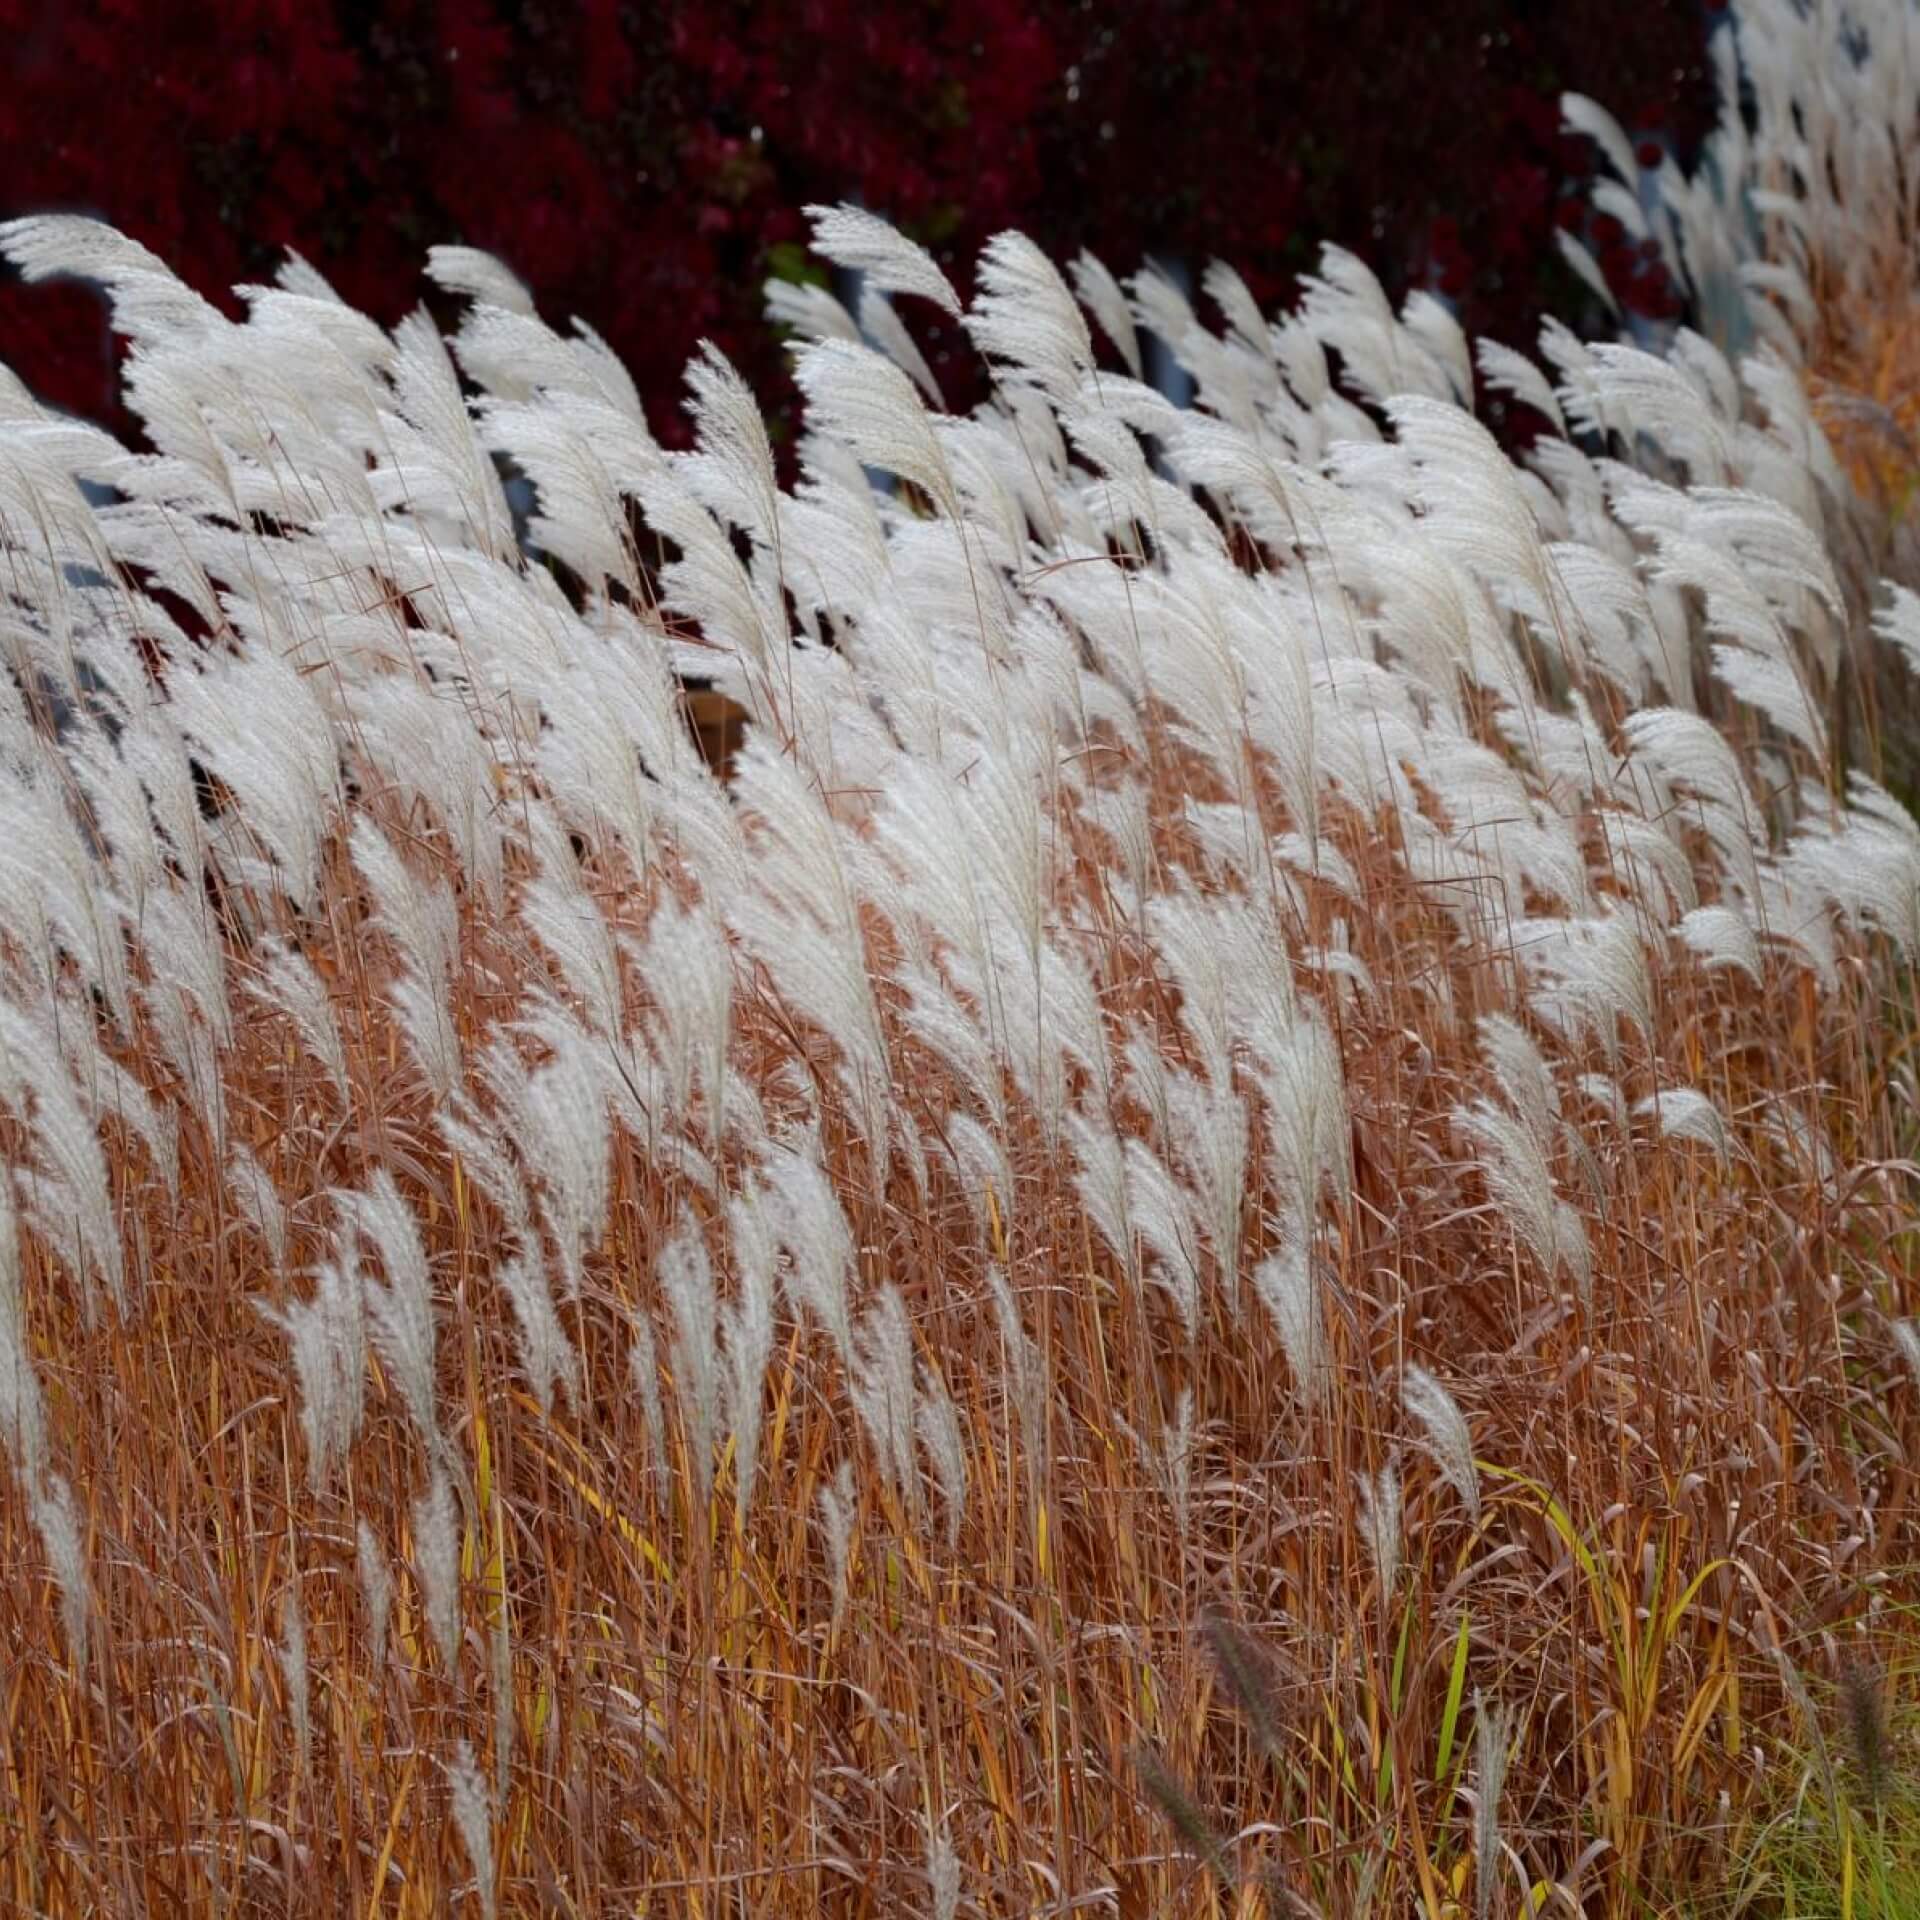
x,y
644,165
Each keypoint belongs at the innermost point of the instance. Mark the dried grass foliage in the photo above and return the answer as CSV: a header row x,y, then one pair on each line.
x,y
1239,1211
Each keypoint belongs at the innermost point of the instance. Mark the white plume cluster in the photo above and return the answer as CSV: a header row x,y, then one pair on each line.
x,y
1101,781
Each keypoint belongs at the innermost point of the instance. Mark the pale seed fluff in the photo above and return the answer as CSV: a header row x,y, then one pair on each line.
x,y
1685,1113
473,1816
883,1391
1446,1435
643,1369
500,1679
852,237
749,1339
686,1277
326,1336
546,1354
1286,1286
23,1414
819,1244
293,1670
837,1502
402,1310
58,1522
1492,1739
943,1873
1026,1370
376,1590
436,1554
1906,1337
1380,1523
939,1424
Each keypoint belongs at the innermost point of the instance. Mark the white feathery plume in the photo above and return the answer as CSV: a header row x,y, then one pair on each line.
x,y
732,469
567,921
1380,1524
748,1321
1100,294
1447,1436
837,1508
888,332
1209,1141
433,749
851,237
939,1423
1026,1370
436,1562
1347,309
1429,321
1509,372
111,1090
1774,688
562,1129
287,982
860,398
434,470
1101,1182
943,1874
66,1188
883,1392
183,930
1906,1340
1470,493
327,1335
1685,1113
1582,115
1246,325
1492,1740
547,1356
149,303
1159,1213
1650,861
813,1229
807,311
376,1590
480,1143
1898,622
1523,1075
980,1158
423,921
1304,1086
480,276
258,1200
938,1020
1290,1292
685,1276
643,1370
401,1311
57,1521
292,1654
258,725
1512,1162
1594,972
1024,318
51,898
687,968
23,1413
473,1816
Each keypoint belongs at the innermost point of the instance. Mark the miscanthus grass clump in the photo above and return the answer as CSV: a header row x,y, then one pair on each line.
x,y
1235,1208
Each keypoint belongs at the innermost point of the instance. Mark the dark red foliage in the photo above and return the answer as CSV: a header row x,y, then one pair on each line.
x,y
643,165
